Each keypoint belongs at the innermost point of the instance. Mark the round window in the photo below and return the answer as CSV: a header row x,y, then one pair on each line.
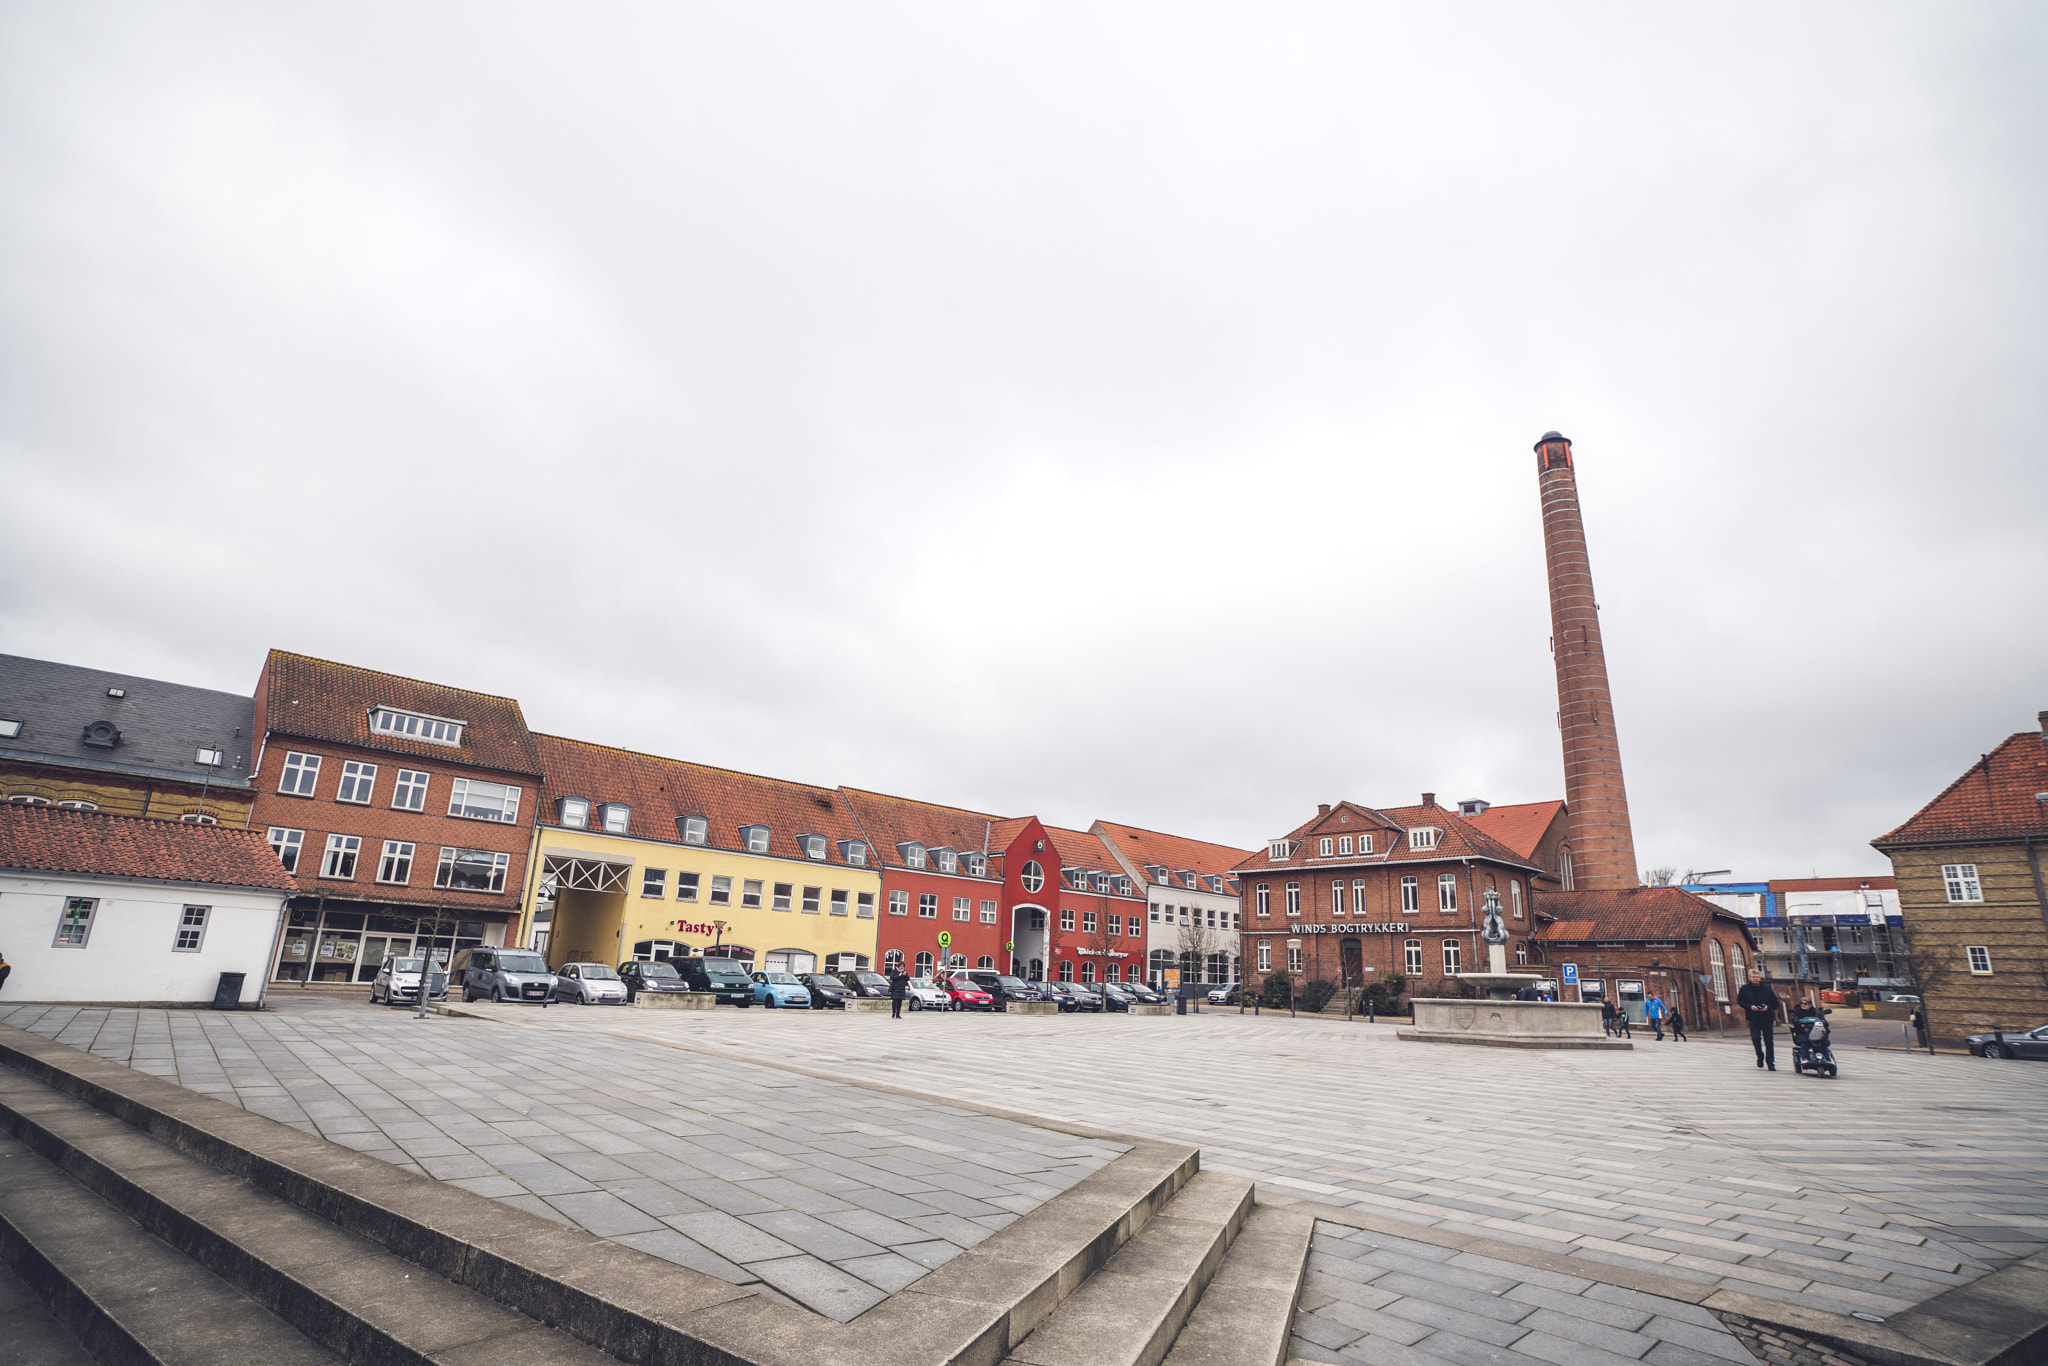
x,y
1033,876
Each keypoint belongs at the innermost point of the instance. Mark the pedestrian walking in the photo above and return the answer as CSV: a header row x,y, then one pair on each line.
x,y
1919,1020
1622,1029
1677,1023
1654,1012
4,970
1760,1007
899,987
1607,1017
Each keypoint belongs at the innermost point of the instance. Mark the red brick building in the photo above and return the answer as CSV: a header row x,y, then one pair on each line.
x,y
1359,892
942,873
1539,833
403,809
1628,945
1095,925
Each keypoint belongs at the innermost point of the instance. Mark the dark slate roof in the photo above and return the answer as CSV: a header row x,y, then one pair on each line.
x,y
318,699
48,839
1994,800
161,725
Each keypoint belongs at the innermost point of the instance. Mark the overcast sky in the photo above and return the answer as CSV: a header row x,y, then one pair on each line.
x,y
1097,410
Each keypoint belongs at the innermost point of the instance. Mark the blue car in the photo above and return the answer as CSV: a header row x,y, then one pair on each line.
x,y
781,989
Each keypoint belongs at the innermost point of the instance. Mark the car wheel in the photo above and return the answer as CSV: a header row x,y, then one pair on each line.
x,y
1995,1051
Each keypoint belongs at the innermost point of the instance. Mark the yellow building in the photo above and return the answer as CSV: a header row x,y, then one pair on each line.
x,y
639,856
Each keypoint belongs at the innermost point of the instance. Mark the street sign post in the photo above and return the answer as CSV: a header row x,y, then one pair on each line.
x,y
1570,972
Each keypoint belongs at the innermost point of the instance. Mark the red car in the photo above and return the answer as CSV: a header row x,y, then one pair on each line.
x,y
963,994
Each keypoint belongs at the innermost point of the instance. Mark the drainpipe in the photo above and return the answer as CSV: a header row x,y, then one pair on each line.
x,y
2034,861
276,945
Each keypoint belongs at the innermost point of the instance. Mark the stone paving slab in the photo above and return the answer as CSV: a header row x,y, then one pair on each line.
x,y
819,1191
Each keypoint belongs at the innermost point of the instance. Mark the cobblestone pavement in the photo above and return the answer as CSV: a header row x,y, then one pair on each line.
x,y
1374,1300
829,1194
1870,1192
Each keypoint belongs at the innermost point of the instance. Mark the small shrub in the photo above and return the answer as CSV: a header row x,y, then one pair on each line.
x,y
1275,989
1315,995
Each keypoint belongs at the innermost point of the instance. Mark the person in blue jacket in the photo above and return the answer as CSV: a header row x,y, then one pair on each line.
x,y
1654,1012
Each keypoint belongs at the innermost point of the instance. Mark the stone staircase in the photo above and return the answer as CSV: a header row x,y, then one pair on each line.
x,y
161,1226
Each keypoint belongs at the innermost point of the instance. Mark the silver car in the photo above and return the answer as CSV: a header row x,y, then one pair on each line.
x,y
398,982
503,974
589,984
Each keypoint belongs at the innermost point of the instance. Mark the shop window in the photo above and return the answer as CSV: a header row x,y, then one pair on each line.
x,y
892,961
1088,973
1066,973
191,930
924,965
984,962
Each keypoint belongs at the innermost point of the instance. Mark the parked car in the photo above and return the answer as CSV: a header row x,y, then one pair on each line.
x,y
502,975
1111,994
650,977
1143,994
962,993
1004,988
398,983
1225,995
922,993
725,978
589,984
2032,1044
865,983
781,989
826,990
1906,996
1072,996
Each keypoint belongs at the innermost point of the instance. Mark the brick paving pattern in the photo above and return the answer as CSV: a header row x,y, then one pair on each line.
x,y
833,1196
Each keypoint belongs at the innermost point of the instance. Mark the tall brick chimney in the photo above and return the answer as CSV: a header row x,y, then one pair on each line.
x,y
1603,848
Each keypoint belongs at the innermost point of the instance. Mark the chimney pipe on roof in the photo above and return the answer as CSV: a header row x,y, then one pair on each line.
x,y
1322,808
2043,719
1429,799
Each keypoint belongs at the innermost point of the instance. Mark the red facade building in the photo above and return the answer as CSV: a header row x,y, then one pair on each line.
x,y
402,808
942,874
1094,913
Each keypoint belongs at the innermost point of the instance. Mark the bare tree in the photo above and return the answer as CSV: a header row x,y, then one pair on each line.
x,y
1658,877
1196,943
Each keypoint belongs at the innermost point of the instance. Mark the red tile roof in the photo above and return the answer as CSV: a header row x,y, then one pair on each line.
x,y
1457,838
45,839
1521,827
1993,801
1079,849
891,821
658,791
317,699
1177,852
1633,913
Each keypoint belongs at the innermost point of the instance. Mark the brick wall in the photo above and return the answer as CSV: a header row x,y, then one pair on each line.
x,y
2008,923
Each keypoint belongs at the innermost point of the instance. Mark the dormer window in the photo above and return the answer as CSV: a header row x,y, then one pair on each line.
x,y
814,846
693,829
1215,883
912,853
573,812
102,735
1123,886
1187,879
947,860
1278,849
618,818
1365,844
1156,871
754,838
406,725
1099,882
1325,847
1424,838
212,758
977,865
854,852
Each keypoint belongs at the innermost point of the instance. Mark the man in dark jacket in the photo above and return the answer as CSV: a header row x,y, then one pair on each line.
x,y
899,987
1760,1007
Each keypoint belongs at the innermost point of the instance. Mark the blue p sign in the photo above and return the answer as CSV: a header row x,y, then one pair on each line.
x,y
1571,974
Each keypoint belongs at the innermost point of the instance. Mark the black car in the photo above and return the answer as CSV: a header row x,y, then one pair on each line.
x,y
826,990
1072,997
655,977
865,983
1142,994
1005,988
1114,997
727,978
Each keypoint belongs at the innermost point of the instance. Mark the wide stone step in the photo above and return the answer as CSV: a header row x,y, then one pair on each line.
x,y
1129,1312
127,1296
1246,1313
219,1259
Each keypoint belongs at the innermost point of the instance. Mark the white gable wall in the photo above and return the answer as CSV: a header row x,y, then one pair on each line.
x,y
129,955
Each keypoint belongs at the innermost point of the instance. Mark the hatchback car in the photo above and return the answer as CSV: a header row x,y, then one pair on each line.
x,y
1112,995
398,983
827,991
589,984
963,994
1073,996
2032,1044
865,983
651,978
781,989
1223,995
1143,994
922,993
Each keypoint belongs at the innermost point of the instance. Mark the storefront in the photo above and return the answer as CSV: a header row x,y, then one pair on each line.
x,y
336,943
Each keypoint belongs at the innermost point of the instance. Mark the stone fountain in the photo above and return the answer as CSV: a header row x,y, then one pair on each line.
x,y
1501,1021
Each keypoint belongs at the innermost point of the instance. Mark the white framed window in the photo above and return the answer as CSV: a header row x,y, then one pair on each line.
x,y
1980,959
287,844
1961,881
948,861
1717,963
977,865
471,870
195,818
813,900
1337,897
356,781
814,846
78,806
573,813
74,923
1263,894
654,882
1521,953
1294,959
854,852
1293,902
927,905
1411,894
1451,950
838,901
1447,892
411,792
892,961
1326,846
395,866
1411,957
913,855
721,890
618,819
988,912
696,829
1564,868
864,906
899,903
1116,925
687,885
757,838
1423,838
191,936
212,758
963,909
1343,844
750,892
1265,956
301,774
1515,896
1031,877
785,892
27,799
1087,922
1066,919
435,730
1365,844
924,963
1358,897
340,859
1155,915
474,800
1279,849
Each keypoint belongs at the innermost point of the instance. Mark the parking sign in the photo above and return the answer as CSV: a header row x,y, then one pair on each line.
x,y
1571,974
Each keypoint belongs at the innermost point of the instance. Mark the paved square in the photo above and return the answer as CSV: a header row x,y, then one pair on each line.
x,y
824,1192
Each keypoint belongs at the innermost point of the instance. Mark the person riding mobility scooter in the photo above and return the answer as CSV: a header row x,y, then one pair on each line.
x,y
1810,1042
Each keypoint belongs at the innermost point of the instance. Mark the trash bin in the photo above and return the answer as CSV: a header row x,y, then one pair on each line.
x,y
228,995
1180,1004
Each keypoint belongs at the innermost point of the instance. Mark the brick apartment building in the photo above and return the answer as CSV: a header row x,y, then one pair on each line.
x,y
1973,895
403,809
1359,892
1631,944
942,873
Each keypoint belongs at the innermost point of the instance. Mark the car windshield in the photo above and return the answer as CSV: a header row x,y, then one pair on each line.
x,y
521,962
871,979
405,965
783,979
921,982
726,972
1010,983
597,972
658,970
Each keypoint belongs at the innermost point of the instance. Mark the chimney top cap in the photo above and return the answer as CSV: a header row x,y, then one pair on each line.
x,y
1549,437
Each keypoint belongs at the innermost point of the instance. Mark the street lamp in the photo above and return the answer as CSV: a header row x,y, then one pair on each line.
x,y
1293,975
